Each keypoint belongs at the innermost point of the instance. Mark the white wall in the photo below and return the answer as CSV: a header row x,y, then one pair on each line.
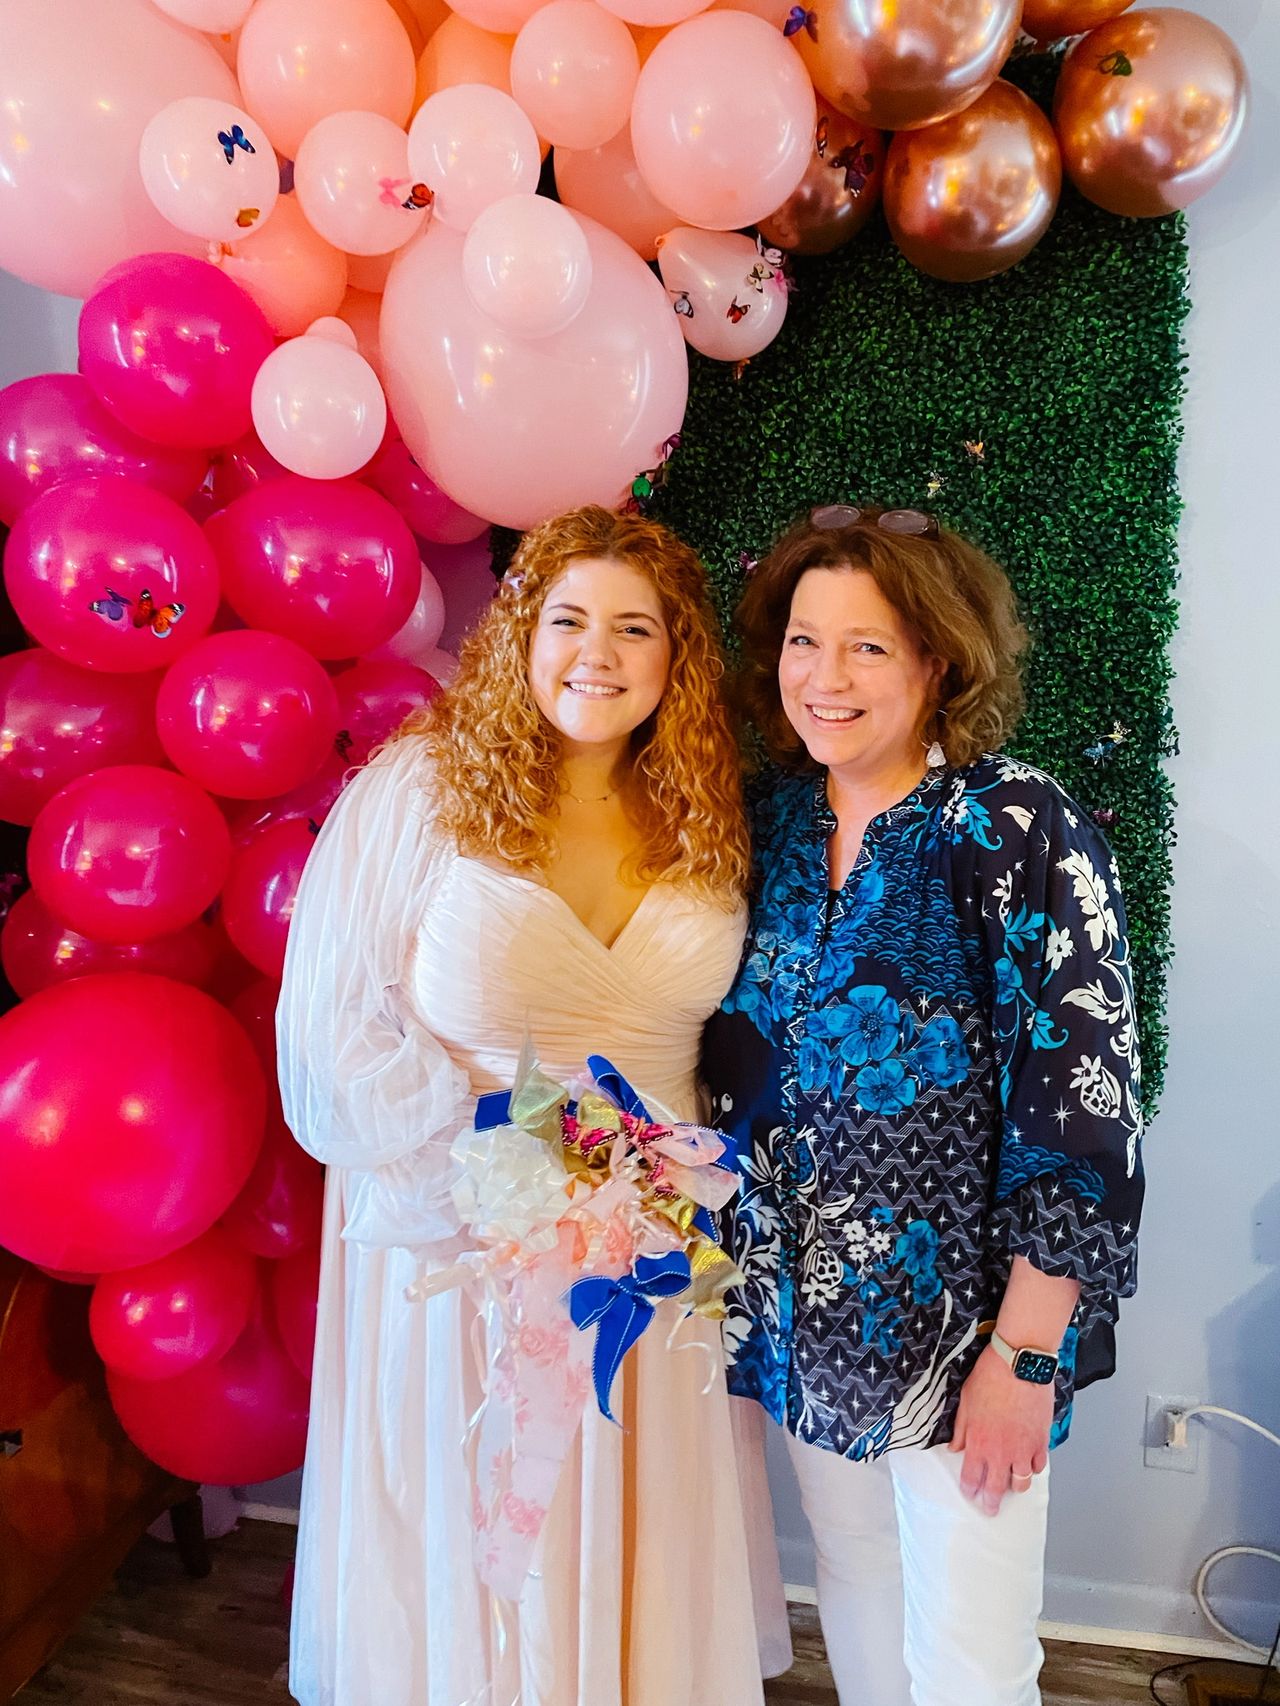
x,y
1126,1541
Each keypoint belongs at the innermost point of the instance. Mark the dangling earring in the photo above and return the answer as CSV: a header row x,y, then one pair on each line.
x,y
936,758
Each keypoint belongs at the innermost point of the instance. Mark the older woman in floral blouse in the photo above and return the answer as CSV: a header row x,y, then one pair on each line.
x,y
929,1063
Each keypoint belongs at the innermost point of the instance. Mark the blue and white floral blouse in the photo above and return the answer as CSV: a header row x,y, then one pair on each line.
x,y
926,1073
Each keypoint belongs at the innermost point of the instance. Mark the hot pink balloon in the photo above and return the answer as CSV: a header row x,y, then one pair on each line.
x,y
472,145
247,714
129,853
723,118
574,70
374,698
330,564
289,270
79,81
432,515
111,575
318,408
238,468
238,1419
202,185
38,950
161,1319
294,1289
311,802
527,265
255,1008
421,633
520,430
605,184
353,183
258,899
300,60
131,1114
53,429
58,722
170,345
279,1210
722,313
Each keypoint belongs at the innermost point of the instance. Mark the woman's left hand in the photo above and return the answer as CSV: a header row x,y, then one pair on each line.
x,y
1002,1427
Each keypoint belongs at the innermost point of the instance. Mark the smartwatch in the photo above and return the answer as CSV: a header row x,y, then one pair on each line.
x,y
1039,1367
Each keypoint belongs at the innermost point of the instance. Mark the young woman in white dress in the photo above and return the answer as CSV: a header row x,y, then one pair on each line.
x,y
553,851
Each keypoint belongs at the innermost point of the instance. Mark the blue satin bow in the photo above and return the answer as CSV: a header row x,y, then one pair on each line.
x,y
623,1310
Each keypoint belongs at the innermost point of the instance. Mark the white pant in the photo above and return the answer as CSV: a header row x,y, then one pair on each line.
x,y
924,1600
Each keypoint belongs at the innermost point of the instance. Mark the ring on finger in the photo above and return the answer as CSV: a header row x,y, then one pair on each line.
x,y
1022,1482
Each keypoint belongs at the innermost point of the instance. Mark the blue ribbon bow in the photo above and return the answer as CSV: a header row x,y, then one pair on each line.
x,y
623,1311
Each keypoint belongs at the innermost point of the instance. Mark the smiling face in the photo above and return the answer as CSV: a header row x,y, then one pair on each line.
x,y
600,654
856,684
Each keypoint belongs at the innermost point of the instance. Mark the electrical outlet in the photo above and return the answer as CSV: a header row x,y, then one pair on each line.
x,y
1155,1453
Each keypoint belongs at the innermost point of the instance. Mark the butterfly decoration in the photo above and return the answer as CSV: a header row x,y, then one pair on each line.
x,y
391,191
160,618
1116,64
976,449
1104,749
933,485
1104,817
747,565
342,742
313,826
233,139
419,197
857,162
246,217
682,304
821,136
645,485
771,266
111,607
736,311
800,18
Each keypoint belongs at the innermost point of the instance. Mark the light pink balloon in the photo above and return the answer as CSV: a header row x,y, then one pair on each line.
x,y
421,633
503,17
655,13
334,328
431,514
300,60
730,306
472,145
605,184
374,697
723,119
79,81
289,270
38,950
520,430
441,666
216,17
574,70
353,183
360,310
209,187
774,12
527,265
318,408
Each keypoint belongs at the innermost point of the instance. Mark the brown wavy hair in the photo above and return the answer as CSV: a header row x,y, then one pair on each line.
x,y
495,759
957,600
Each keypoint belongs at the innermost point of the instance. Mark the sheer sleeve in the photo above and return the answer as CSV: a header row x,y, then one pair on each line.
x,y
365,1086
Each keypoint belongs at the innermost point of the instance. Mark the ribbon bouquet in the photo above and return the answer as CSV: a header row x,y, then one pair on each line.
x,y
584,1211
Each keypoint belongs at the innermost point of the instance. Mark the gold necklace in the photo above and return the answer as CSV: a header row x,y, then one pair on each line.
x,y
578,801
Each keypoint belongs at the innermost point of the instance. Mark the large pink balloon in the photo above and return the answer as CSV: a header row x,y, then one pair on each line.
x,y
300,60
318,407
239,1419
330,564
53,428
374,698
58,722
722,122
520,430
204,186
129,853
111,575
258,899
294,1288
38,950
79,81
574,70
171,346
293,275
279,1210
131,1114
159,1320
247,714
605,184
732,303
352,181
430,513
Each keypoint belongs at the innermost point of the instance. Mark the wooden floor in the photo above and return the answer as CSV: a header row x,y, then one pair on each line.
x,y
157,1638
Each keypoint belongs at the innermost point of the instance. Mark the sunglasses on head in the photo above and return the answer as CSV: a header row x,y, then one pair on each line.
x,y
829,518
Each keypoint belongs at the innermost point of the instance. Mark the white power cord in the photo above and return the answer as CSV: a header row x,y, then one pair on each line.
x,y
1176,1429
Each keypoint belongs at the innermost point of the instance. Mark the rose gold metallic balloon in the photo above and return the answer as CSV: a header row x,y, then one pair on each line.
x,y
970,197
1149,110
898,64
1050,20
838,191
